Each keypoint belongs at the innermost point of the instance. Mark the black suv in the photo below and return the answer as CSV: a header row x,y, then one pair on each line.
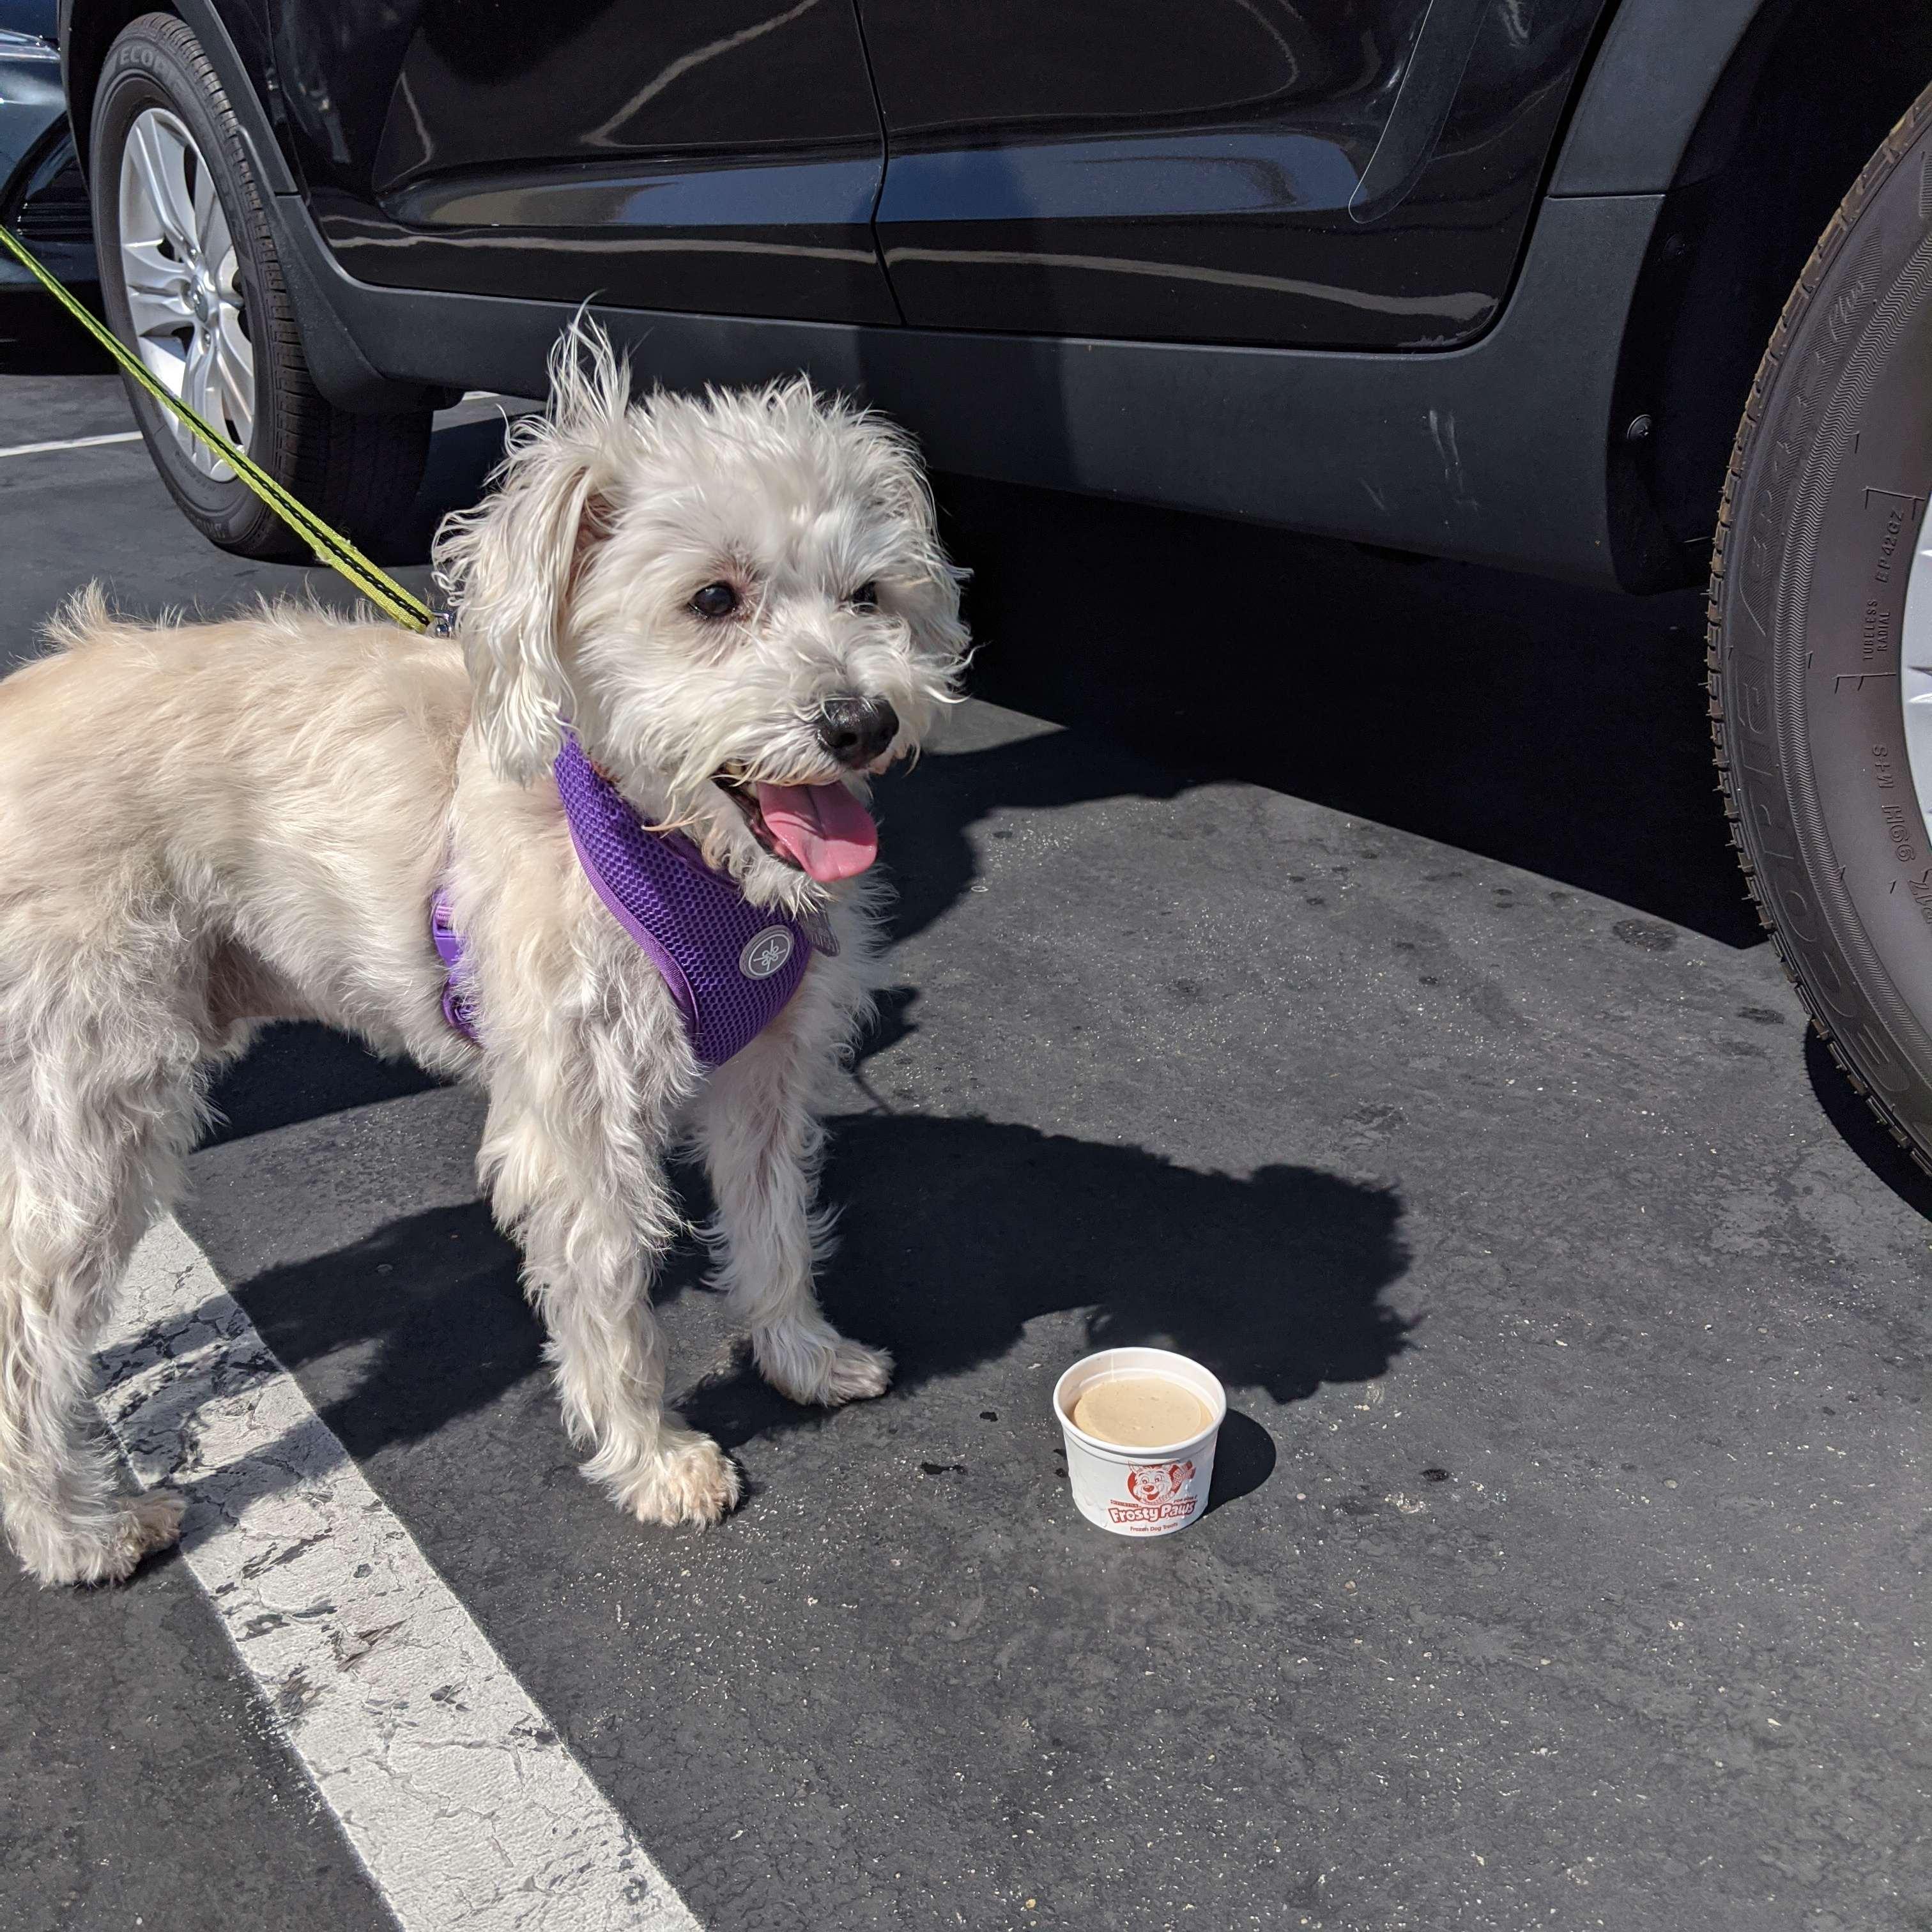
x,y
1493,279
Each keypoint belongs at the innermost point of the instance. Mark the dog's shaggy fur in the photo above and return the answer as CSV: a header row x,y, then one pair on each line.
x,y
205,827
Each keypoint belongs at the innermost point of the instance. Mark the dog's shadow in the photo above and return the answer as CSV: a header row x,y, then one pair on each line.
x,y
955,1235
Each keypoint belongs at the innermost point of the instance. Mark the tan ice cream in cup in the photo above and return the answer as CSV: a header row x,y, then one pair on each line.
x,y
1139,1487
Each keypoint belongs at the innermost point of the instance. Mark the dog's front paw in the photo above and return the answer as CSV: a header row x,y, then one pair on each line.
x,y
696,1482
112,1552
823,1368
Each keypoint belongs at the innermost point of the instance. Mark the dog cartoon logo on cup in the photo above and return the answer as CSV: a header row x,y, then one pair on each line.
x,y
1155,1488
1157,1482
765,953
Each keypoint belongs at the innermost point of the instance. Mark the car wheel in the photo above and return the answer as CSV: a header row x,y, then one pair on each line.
x,y
191,281
1820,637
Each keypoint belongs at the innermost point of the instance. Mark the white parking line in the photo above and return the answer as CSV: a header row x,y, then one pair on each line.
x,y
72,442
462,1801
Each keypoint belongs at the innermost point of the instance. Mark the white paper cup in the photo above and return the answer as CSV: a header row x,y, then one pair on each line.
x,y
1139,1491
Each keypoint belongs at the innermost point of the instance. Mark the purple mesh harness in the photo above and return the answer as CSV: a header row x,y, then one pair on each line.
x,y
730,966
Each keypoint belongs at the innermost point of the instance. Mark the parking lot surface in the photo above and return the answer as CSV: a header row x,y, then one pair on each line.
x,y
1329,965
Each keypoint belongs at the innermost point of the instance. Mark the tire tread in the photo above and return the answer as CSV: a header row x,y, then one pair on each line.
x,y
358,473
1838,233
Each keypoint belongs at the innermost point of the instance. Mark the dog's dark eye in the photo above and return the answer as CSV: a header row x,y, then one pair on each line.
x,y
865,597
715,600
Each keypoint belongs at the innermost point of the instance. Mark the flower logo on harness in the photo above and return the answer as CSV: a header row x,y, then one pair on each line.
x,y
765,953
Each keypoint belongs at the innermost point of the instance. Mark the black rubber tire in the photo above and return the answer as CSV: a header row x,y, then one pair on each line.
x,y
360,473
1828,486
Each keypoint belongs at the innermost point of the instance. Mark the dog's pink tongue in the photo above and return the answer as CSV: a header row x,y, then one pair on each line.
x,y
823,826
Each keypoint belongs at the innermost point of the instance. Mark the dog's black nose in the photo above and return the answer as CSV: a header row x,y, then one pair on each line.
x,y
855,730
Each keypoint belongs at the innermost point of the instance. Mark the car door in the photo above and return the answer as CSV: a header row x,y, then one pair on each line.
x,y
710,155
1335,173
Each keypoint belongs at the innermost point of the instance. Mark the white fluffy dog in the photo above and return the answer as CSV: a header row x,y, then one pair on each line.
x,y
205,827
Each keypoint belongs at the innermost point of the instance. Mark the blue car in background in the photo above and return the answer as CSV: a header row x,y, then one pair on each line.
x,y
43,198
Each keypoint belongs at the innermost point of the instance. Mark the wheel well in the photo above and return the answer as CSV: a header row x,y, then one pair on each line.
x,y
1811,93
92,30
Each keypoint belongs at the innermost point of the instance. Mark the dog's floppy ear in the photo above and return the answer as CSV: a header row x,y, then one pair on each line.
x,y
929,597
508,566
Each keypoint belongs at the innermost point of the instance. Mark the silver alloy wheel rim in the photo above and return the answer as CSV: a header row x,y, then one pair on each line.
x,y
183,278
1915,671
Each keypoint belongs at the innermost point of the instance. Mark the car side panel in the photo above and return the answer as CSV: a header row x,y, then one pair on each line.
x,y
1359,175
1501,450
719,155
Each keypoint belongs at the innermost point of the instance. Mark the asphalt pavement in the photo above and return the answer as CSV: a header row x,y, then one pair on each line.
x,y
1329,964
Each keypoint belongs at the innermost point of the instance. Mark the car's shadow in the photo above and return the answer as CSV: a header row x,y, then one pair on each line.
x,y
1560,729
1847,1110
37,339
461,456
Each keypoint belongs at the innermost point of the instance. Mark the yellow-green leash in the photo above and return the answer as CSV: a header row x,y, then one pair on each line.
x,y
330,546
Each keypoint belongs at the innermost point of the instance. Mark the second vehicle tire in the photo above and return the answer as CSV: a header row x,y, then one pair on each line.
x,y
191,280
